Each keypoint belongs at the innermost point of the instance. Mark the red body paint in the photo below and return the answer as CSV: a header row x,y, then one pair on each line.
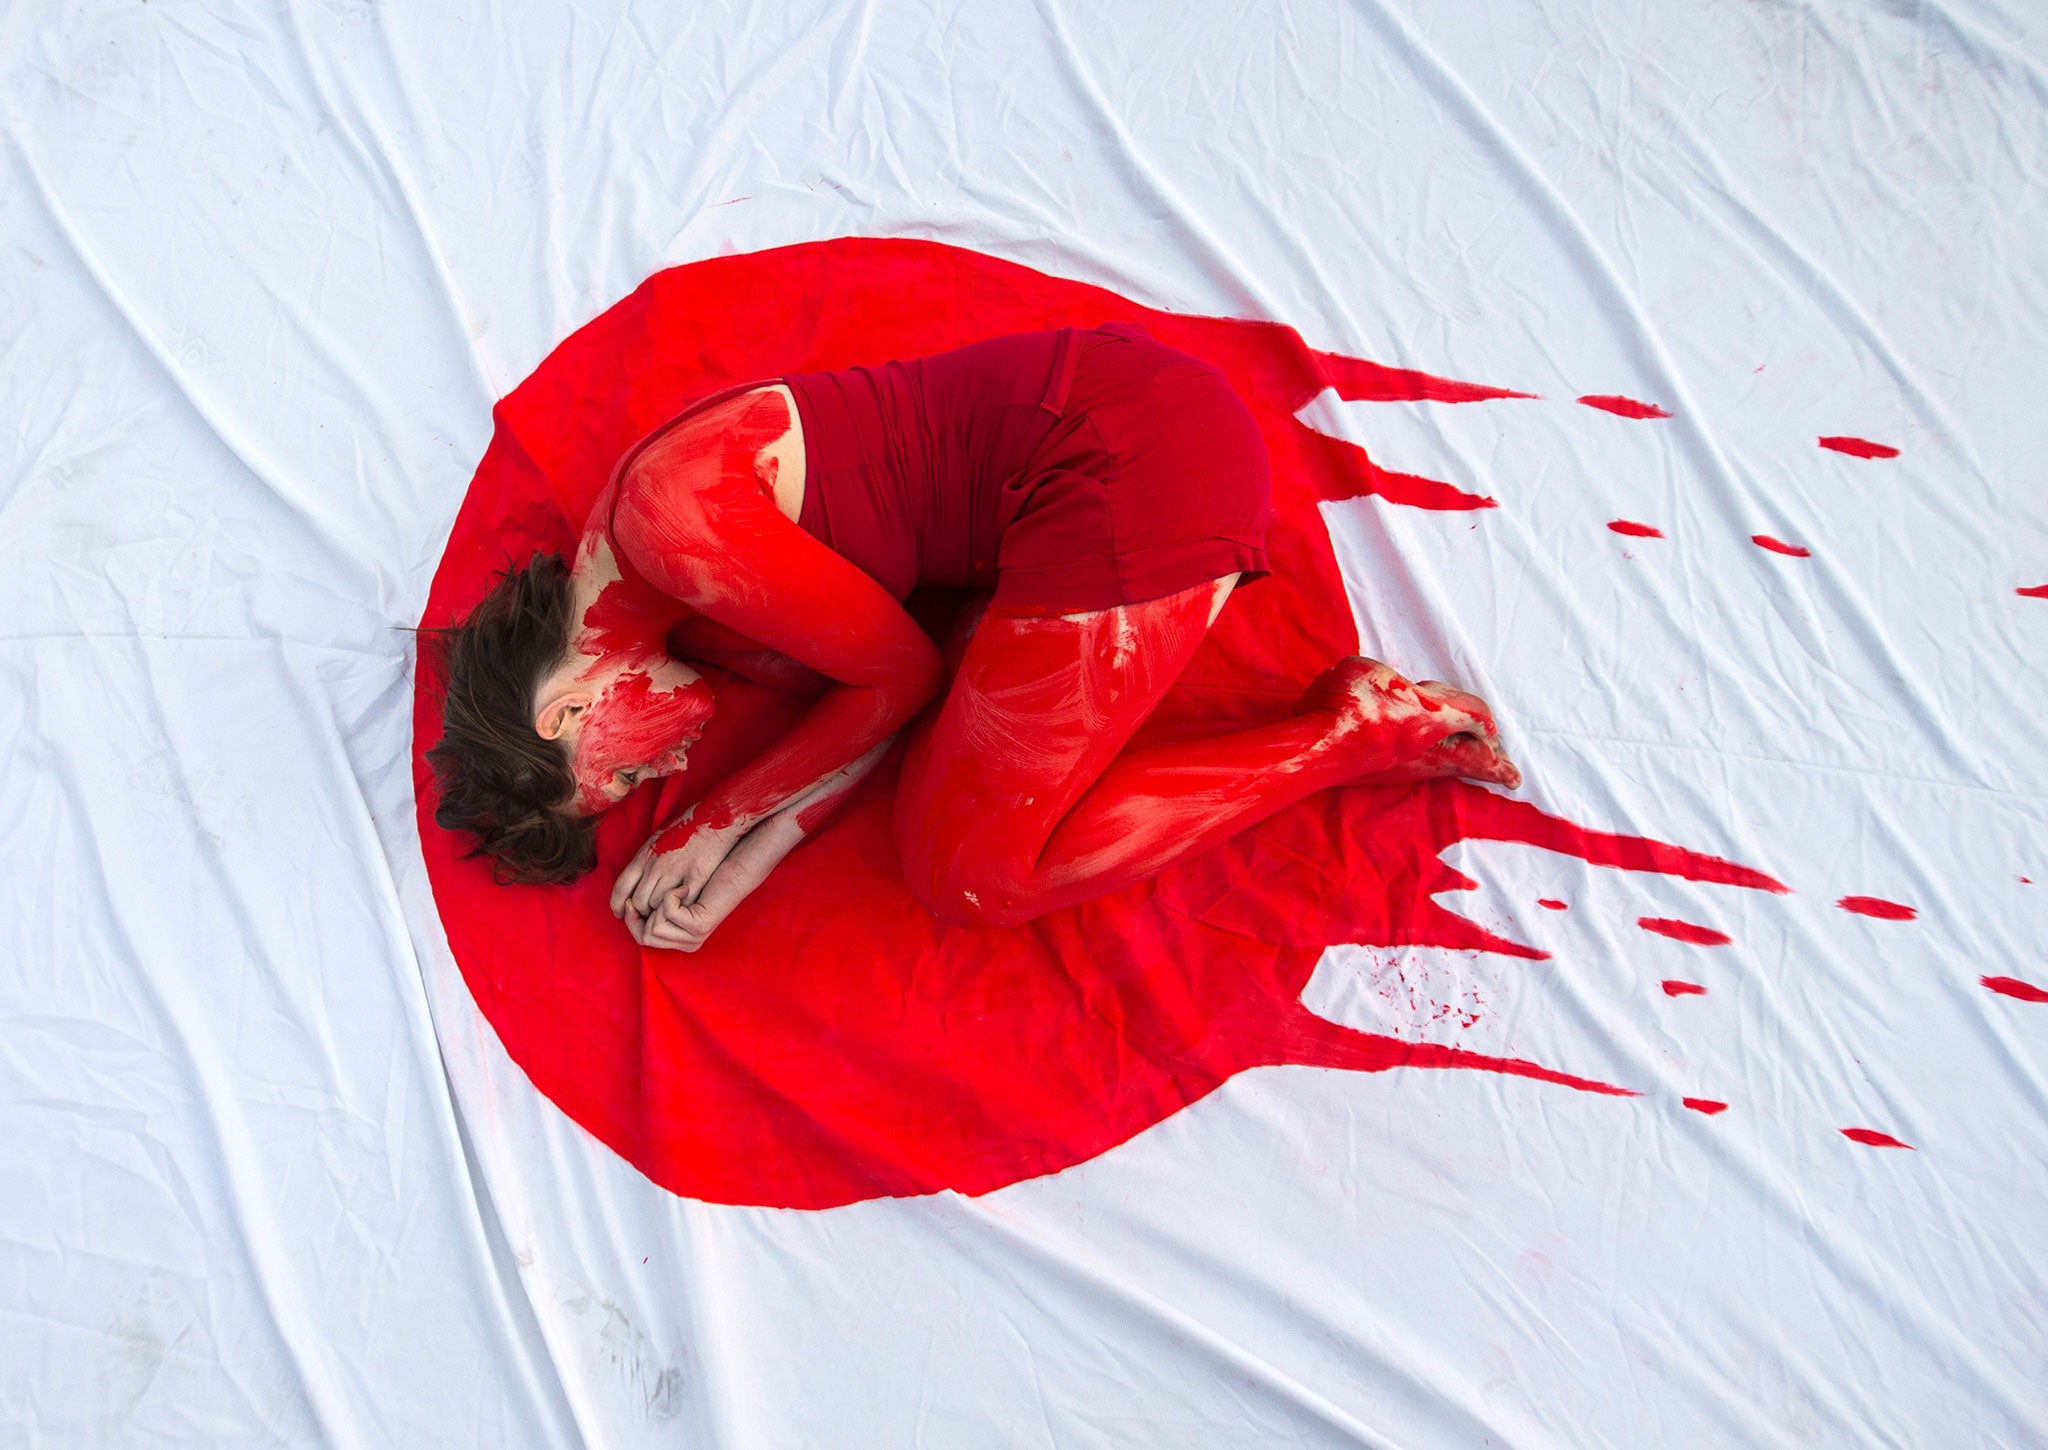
x,y
1705,1105
1859,447
1550,905
1685,931
1779,546
1871,1138
2015,988
832,1042
1635,530
1878,907
1673,987
1623,407
2033,591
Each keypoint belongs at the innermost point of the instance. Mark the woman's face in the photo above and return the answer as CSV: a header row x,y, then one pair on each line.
x,y
645,713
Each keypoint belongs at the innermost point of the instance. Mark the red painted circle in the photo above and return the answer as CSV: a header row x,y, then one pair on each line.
x,y
832,1043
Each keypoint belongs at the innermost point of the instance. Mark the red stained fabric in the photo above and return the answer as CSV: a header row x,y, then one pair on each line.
x,y
1635,530
1878,907
1623,407
2033,591
1673,987
2013,987
1871,1138
1685,931
1709,1106
1858,447
832,1042
1779,546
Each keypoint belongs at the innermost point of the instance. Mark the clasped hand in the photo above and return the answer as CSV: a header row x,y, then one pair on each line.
x,y
660,894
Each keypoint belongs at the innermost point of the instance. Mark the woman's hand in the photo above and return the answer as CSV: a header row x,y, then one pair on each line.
x,y
681,923
678,859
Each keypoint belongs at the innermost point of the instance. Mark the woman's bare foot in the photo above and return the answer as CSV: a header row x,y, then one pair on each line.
x,y
1410,730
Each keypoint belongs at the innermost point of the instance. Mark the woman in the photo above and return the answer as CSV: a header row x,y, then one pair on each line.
x,y
1109,490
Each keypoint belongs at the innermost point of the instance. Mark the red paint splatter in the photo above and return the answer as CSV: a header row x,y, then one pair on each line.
x,y
832,1042
2015,988
1779,546
1550,905
1709,1106
1359,381
1635,530
1673,987
1871,1138
2033,591
1685,931
1878,907
1623,407
1859,447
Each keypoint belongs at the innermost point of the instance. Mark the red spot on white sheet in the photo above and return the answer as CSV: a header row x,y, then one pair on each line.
x,y
1878,907
1871,1138
1709,1106
1550,904
2013,987
2033,591
1673,987
832,1042
1859,447
1685,931
1623,407
1779,546
1635,530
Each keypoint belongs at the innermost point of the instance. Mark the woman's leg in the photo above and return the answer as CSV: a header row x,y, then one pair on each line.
x,y
1020,796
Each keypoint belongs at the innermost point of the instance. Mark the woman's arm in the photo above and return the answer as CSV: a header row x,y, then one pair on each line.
x,y
693,517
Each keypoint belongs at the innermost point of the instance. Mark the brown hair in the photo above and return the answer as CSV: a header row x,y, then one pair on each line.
x,y
499,780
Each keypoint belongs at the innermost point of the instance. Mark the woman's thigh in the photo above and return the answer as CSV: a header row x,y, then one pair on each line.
x,y
1036,710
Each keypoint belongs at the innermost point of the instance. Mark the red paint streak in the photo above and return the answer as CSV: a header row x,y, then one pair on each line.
x,y
1779,546
1878,907
1675,988
627,615
1705,1105
2015,988
832,1042
2033,591
1359,381
1859,447
1549,905
1685,931
635,722
1623,407
1635,530
1871,1138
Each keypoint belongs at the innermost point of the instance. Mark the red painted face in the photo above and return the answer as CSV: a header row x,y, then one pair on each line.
x,y
642,724
831,1042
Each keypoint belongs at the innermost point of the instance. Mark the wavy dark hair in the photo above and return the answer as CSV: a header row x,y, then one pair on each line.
x,y
498,779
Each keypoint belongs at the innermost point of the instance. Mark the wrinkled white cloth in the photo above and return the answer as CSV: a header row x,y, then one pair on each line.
x,y
271,1179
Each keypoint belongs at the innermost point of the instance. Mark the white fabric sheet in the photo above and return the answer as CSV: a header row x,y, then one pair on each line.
x,y
272,1180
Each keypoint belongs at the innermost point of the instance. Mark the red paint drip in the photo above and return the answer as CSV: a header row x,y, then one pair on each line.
x,y
1635,530
1871,1138
1859,447
1779,546
1550,905
1709,1106
2015,988
1673,987
832,1042
1878,907
1623,407
1685,931
1359,381
2033,591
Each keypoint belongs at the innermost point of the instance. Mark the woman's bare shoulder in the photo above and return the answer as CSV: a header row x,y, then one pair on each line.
x,y
750,440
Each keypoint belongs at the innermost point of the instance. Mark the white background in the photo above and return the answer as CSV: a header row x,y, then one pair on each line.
x,y
269,1179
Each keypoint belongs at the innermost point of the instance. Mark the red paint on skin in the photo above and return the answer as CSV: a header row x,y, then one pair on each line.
x,y
634,723
1550,905
1685,931
1709,1106
1635,530
2033,591
832,1042
1878,907
1675,988
627,615
2013,987
1871,1138
1779,546
1859,447
1623,407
